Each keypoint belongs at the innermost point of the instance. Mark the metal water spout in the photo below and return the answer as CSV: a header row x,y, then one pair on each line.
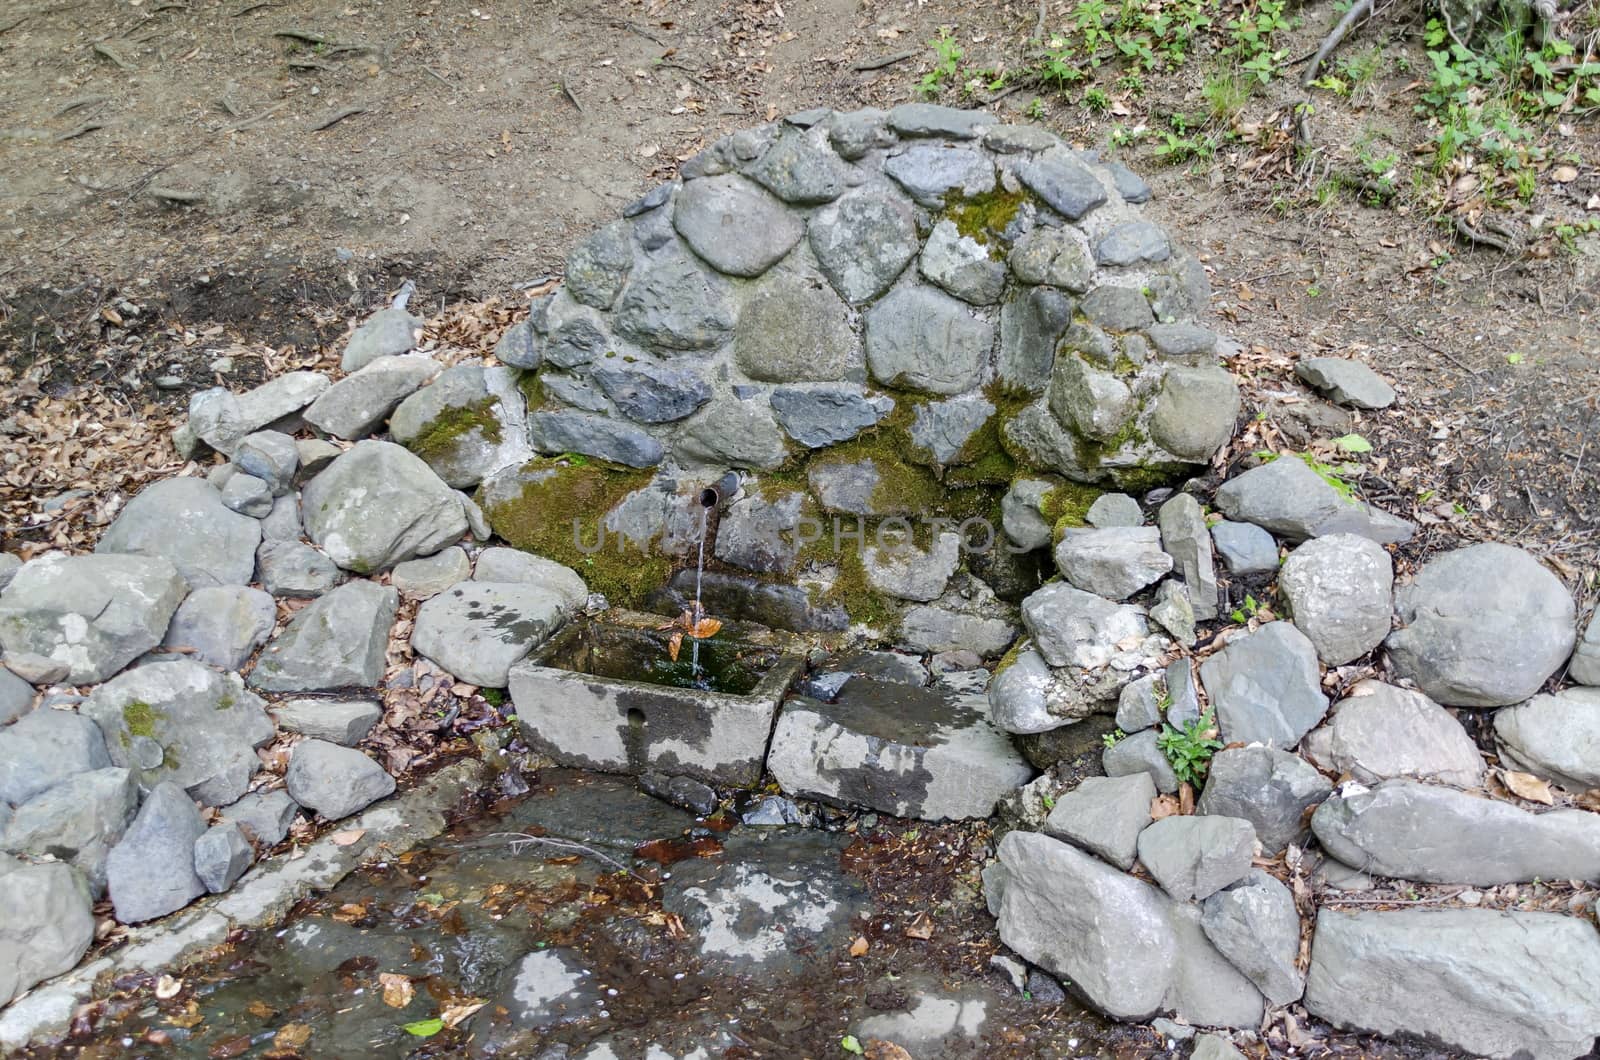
x,y
726,488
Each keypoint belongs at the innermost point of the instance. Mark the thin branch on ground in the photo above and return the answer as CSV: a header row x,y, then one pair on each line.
x,y
1490,234
338,116
522,839
1360,11
883,61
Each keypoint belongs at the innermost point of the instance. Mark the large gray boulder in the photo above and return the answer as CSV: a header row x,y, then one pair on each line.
x,y
295,569
335,781
183,722
478,629
737,227
1490,982
1254,924
184,521
1438,835
223,419
222,624
924,339
512,565
1340,592
1483,626
1264,686
863,241
338,641
1026,696
1186,539
1193,857
1346,382
1271,789
1114,563
92,614
342,721
1556,737
378,505
1380,732
1104,815
16,696
47,926
1244,547
1075,628
468,423
77,821
150,872
1140,754
389,332
221,856
45,748
1293,501
270,456
793,328
1129,949
264,816
358,404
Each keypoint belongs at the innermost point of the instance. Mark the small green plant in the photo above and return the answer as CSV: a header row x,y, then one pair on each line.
x,y
1112,738
1226,93
1250,609
1122,136
1049,801
1190,748
849,1044
1035,109
1095,101
946,63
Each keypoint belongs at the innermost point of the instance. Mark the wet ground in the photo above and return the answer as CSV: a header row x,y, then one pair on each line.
x,y
629,925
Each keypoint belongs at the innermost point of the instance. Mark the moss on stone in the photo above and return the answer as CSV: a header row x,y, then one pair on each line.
x,y
439,438
1067,505
551,514
985,217
983,460
532,390
141,718
1011,656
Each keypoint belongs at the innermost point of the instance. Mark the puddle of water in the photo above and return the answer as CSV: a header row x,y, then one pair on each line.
x,y
733,942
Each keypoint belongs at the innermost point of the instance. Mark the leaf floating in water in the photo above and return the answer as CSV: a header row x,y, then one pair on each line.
x,y
230,1047
454,1014
674,643
706,628
348,837
397,989
291,1036
424,1028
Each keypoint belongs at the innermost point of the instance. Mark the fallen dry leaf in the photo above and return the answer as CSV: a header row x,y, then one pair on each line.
x,y
1527,786
348,837
397,989
858,948
921,927
167,987
291,1036
1564,174
454,1014
878,1049
1163,806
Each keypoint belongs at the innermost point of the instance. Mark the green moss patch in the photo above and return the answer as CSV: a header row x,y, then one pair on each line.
x,y
553,514
438,439
141,718
984,218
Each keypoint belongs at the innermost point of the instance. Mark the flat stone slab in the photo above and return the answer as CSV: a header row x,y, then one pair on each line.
x,y
184,521
1490,982
1437,835
909,751
774,896
337,641
1380,732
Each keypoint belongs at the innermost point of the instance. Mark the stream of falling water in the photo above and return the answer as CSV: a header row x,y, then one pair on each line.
x,y
699,572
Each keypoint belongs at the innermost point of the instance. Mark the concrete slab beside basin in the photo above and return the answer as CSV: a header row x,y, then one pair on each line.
x,y
596,697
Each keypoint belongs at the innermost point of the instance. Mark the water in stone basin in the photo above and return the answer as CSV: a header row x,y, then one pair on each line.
x,y
742,951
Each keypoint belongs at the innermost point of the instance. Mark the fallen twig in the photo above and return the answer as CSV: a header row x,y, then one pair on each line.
x,y
259,118
246,9
307,64
1488,236
521,839
105,51
86,127
566,91
173,195
437,76
13,24
885,60
1360,10
338,116
78,101
305,36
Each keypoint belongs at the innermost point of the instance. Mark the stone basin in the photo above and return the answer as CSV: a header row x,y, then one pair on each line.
x,y
604,695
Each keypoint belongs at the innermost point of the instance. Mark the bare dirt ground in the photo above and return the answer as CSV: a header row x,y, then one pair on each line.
x,y
182,181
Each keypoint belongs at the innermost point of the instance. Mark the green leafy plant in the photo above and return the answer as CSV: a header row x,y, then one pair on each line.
x,y
1251,608
1352,443
947,55
1112,738
424,1028
1226,93
1189,749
